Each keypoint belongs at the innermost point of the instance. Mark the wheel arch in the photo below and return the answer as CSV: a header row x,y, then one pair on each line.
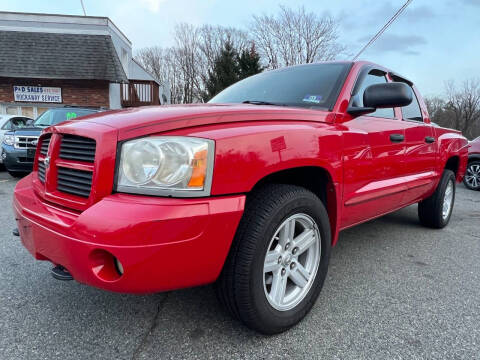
x,y
453,164
473,157
314,178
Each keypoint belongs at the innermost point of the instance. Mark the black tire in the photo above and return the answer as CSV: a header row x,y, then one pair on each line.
x,y
17,174
430,210
240,286
473,167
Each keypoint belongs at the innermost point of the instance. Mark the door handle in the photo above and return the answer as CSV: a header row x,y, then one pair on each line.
x,y
429,139
396,137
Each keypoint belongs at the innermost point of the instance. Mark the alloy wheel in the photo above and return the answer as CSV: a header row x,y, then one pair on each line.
x,y
447,200
472,176
291,262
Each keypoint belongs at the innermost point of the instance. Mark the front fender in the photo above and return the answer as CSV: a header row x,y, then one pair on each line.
x,y
252,153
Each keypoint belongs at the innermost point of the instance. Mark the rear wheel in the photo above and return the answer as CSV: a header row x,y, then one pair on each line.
x,y
435,211
472,176
279,259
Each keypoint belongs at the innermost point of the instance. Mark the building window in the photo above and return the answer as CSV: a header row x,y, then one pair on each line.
x,y
28,112
41,110
12,110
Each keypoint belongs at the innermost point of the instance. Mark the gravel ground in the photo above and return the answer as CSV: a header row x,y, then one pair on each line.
x,y
395,290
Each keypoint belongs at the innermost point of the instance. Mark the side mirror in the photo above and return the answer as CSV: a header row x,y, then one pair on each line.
x,y
387,95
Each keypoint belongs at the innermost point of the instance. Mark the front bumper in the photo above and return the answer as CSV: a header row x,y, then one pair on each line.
x,y
162,243
17,159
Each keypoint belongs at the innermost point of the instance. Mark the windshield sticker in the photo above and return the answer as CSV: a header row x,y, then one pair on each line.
x,y
71,115
316,99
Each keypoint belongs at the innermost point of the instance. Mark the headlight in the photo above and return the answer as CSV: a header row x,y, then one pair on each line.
x,y
166,166
9,139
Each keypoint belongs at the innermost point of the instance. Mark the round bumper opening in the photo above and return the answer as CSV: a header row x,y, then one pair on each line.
x,y
105,266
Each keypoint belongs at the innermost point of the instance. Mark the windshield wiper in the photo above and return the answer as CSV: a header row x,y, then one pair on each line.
x,y
259,102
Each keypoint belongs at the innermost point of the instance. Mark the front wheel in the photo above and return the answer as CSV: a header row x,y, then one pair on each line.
x,y
472,176
435,211
279,259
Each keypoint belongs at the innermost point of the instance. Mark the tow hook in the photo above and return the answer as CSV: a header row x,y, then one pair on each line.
x,y
15,232
60,273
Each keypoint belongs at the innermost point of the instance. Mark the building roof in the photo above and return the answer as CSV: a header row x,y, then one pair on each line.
x,y
58,23
59,56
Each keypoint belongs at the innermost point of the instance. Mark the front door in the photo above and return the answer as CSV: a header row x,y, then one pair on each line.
x,y
373,162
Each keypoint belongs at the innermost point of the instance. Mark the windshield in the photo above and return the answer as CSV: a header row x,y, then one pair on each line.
x,y
15,123
311,86
55,116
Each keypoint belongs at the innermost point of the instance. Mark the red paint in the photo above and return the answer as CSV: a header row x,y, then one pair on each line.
x,y
166,243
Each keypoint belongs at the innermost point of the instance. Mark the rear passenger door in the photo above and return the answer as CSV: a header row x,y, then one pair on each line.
x,y
420,154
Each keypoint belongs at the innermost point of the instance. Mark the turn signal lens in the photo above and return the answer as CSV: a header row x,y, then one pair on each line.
x,y
199,169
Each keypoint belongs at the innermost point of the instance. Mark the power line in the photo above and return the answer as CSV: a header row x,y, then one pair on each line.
x,y
83,7
382,30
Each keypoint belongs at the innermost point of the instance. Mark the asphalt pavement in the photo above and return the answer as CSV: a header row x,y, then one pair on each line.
x,y
395,290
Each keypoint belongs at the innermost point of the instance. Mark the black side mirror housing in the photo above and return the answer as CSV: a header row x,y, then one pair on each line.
x,y
387,95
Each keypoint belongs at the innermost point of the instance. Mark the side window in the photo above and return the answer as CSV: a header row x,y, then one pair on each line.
x,y
7,125
371,79
412,111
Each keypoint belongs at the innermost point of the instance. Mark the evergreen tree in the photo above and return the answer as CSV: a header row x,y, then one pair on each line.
x,y
225,71
249,63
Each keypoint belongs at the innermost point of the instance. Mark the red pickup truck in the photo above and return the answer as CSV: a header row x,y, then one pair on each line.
x,y
249,191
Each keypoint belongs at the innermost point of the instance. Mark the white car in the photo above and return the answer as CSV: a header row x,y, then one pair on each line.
x,y
9,123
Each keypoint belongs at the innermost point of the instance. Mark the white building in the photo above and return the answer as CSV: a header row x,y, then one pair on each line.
x,y
83,60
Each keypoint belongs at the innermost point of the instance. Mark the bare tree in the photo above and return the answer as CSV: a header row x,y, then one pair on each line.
x,y
463,105
436,110
212,39
152,59
291,37
295,37
162,64
211,42
187,55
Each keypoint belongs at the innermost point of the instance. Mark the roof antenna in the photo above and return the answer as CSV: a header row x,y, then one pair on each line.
x,y
382,30
83,7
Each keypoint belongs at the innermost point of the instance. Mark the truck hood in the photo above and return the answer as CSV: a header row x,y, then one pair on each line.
x,y
30,131
140,121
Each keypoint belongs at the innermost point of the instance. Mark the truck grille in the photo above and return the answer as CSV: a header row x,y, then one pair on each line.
x,y
45,144
41,171
26,142
73,181
77,148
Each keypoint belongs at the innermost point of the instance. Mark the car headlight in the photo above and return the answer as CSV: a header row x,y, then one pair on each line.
x,y
9,139
166,166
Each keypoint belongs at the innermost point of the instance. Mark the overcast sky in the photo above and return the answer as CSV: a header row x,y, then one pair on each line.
x,y
433,41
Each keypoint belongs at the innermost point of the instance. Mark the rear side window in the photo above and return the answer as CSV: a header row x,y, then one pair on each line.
x,y
412,111
371,79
